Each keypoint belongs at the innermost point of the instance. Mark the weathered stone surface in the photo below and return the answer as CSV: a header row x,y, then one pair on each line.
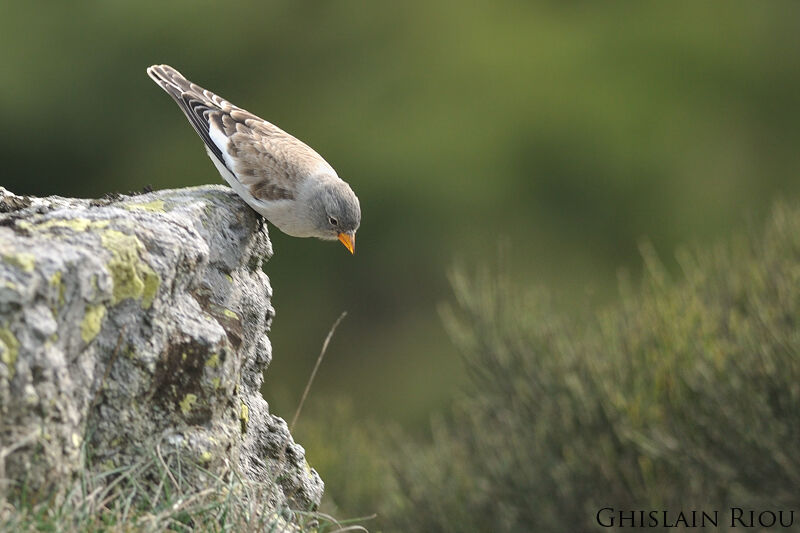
x,y
136,323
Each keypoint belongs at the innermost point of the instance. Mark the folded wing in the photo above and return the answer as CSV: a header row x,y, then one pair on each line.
x,y
262,157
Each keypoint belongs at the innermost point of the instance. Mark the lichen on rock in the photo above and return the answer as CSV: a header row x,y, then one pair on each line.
x,y
27,262
9,350
156,206
139,321
131,277
92,322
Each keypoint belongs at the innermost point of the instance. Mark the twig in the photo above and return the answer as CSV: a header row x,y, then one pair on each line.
x,y
316,367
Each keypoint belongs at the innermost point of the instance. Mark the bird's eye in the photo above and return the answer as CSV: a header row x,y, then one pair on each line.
x,y
333,221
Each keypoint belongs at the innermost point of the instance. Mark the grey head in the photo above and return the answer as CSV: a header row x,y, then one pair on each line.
x,y
335,211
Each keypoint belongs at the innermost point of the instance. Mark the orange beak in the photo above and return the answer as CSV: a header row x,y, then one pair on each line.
x,y
349,241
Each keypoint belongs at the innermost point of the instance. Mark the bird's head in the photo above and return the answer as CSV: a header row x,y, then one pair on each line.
x,y
336,212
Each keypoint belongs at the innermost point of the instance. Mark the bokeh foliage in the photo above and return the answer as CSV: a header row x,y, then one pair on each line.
x,y
571,130
682,395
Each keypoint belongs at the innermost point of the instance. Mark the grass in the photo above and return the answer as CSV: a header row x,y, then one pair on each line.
x,y
155,494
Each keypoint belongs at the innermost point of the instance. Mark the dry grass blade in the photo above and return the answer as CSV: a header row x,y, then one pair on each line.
x,y
316,367
166,468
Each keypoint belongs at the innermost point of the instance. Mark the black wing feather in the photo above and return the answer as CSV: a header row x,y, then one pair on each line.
x,y
196,103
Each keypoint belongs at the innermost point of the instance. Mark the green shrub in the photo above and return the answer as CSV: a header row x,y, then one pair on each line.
x,y
684,395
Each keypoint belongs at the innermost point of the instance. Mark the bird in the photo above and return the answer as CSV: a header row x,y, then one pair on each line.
x,y
279,176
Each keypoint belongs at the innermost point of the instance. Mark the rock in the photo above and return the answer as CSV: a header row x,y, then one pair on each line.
x,y
139,323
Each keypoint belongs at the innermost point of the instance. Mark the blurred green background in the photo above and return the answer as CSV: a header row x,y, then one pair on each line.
x,y
569,131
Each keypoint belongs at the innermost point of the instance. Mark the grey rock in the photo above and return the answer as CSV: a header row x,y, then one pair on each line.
x,y
139,323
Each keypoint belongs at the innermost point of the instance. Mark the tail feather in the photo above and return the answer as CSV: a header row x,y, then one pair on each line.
x,y
195,102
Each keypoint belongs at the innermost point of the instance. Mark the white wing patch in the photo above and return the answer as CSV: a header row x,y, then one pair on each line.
x,y
224,168
221,140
